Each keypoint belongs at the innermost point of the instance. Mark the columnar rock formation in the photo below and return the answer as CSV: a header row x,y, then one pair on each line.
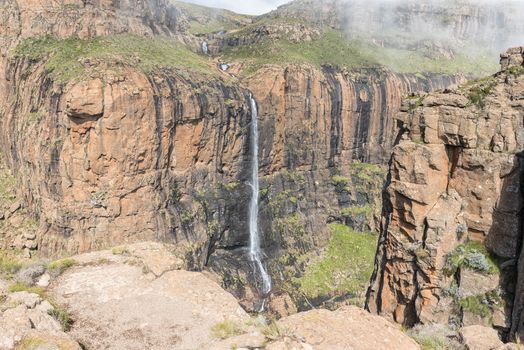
x,y
456,179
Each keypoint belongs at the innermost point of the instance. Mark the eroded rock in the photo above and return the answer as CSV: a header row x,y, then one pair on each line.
x,y
462,185
345,328
118,302
85,100
25,320
480,338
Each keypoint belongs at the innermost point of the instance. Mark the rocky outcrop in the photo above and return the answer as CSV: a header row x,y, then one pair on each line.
x,y
109,153
295,33
137,296
480,338
26,321
87,19
345,328
454,187
17,227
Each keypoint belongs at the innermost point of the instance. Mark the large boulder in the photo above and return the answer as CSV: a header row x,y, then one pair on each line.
x,y
346,328
137,298
480,338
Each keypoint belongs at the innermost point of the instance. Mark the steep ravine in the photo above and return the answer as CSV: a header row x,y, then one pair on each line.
x,y
451,238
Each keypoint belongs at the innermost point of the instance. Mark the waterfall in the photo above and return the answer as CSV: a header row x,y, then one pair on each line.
x,y
205,49
255,252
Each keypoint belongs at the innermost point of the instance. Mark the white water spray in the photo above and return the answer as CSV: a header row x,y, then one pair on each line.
x,y
255,252
205,48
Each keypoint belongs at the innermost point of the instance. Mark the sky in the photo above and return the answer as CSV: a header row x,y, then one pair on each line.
x,y
249,7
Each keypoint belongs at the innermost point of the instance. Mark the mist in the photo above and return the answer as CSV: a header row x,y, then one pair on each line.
x,y
451,23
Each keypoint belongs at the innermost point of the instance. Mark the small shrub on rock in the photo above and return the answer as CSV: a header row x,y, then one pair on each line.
x,y
22,287
62,316
9,264
60,266
471,255
227,329
433,343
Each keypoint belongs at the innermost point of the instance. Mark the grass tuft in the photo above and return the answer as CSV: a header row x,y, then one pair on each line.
x,y
22,287
120,251
357,211
60,266
478,92
427,342
9,264
61,315
226,329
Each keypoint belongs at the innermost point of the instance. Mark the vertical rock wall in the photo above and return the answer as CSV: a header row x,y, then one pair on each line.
x,y
456,179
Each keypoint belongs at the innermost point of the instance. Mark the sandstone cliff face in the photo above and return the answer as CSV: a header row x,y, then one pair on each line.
x,y
35,18
325,118
456,179
117,156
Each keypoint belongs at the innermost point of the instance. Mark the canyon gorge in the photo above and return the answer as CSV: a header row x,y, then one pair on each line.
x,y
324,155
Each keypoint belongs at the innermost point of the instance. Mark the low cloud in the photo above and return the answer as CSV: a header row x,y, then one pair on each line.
x,y
488,23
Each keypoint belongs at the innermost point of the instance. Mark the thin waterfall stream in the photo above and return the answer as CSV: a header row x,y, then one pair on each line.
x,y
255,251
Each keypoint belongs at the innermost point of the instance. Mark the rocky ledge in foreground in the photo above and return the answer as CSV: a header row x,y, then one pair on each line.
x,y
137,297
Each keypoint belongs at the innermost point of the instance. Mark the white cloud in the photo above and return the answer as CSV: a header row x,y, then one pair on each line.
x,y
250,7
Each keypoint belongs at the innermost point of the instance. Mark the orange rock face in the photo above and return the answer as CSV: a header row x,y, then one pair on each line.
x,y
87,19
456,175
327,118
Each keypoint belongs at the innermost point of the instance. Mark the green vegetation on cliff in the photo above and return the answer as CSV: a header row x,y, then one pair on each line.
x,y
344,269
67,59
331,49
355,211
7,185
10,263
205,20
472,255
478,90
335,49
